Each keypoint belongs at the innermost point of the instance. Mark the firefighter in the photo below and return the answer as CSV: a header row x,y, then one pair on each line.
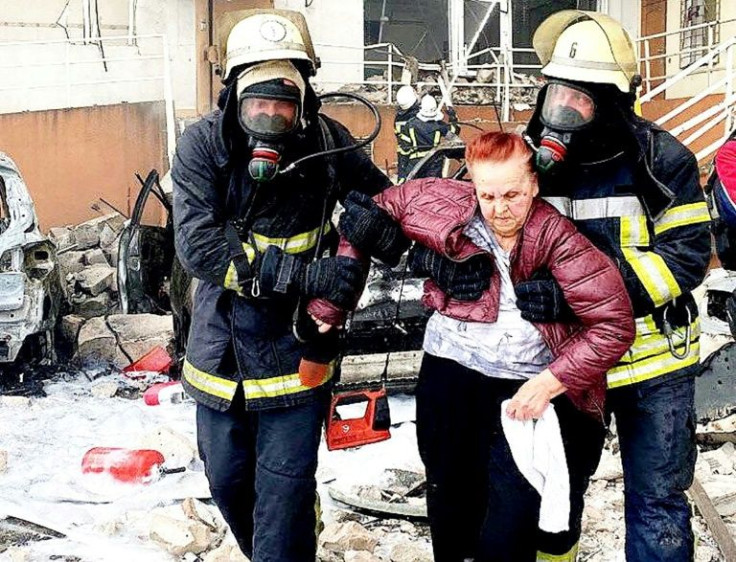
x,y
408,102
634,190
427,130
256,239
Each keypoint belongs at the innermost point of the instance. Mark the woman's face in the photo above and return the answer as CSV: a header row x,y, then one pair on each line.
x,y
505,191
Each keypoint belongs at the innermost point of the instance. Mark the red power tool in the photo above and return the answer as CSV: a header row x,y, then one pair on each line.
x,y
372,427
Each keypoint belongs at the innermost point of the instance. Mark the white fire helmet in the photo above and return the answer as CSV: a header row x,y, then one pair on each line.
x,y
586,47
261,35
406,97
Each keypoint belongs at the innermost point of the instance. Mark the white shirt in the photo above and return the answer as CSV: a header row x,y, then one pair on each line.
x,y
511,347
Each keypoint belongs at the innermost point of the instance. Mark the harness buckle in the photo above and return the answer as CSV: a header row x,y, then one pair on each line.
x,y
669,333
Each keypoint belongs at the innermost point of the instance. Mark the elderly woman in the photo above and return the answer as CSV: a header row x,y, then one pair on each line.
x,y
481,354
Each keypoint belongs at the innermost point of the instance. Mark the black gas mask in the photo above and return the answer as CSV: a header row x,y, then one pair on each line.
x,y
567,112
269,112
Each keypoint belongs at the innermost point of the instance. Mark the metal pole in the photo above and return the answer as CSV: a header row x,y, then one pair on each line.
x,y
729,87
390,71
169,104
482,25
506,47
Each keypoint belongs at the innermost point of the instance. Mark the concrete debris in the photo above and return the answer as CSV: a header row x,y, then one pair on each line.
x,y
106,389
724,425
408,552
721,460
118,338
341,537
179,535
69,330
360,556
228,551
89,264
95,279
195,509
15,402
176,448
3,461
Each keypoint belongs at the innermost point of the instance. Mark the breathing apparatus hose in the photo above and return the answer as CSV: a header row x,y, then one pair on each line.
x,y
340,150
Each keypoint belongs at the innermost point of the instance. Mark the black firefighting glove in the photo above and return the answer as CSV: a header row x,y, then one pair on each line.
x,y
541,299
338,279
464,281
371,229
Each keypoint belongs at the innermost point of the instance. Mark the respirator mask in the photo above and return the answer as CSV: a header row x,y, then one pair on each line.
x,y
269,111
567,111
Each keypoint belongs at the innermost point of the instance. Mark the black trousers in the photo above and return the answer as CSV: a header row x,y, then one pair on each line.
x,y
480,506
261,466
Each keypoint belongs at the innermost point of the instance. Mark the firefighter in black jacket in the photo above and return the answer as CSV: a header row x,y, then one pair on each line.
x,y
426,130
634,190
406,99
257,241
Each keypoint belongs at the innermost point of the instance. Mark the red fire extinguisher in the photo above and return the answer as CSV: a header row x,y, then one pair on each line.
x,y
140,466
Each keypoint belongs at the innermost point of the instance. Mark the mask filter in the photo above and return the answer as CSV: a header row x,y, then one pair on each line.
x,y
552,151
264,162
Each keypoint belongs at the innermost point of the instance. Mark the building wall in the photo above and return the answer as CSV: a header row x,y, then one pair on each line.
x,y
702,79
70,158
59,74
336,27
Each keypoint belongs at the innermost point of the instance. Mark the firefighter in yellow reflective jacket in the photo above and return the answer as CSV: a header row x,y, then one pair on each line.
x,y
408,107
634,190
257,240
427,130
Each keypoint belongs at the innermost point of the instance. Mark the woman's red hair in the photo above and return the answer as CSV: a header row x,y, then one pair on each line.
x,y
497,147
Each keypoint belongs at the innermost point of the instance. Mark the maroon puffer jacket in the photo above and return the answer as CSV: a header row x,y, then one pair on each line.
x,y
434,212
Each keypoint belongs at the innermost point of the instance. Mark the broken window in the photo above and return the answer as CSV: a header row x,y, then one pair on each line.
x,y
695,43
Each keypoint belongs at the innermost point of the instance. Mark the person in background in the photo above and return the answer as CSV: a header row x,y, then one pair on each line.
x,y
427,130
484,365
408,107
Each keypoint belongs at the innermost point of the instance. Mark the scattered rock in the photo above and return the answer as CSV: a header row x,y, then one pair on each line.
x,y
70,326
195,509
96,341
360,556
70,262
408,552
61,236
90,307
95,256
179,535
95,279
226,552
176,448
15,402
341,537
106,389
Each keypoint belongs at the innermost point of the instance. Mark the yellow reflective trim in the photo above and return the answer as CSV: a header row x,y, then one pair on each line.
x,y
570,556
683,215
650,343
292,244
654,275
413,137
207,383
634,231
655,366
231,275
437,138
281,385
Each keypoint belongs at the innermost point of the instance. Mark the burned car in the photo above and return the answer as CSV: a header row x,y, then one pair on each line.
x,y
30,282
389,318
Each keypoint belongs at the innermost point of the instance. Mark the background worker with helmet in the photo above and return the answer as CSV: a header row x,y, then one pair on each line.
x,y
408,102
426,130
256,232
634,190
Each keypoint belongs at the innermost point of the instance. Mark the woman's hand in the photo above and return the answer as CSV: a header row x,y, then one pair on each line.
x,y
532,399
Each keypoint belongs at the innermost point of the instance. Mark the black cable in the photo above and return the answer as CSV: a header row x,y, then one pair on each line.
x,y
342,149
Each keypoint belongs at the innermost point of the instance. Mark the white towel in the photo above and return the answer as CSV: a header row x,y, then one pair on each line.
x,y
536,446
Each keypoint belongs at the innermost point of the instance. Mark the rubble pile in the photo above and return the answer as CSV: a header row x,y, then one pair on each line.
x,y
87,255
478,90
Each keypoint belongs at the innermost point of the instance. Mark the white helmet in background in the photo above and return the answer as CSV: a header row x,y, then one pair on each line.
x,y
261,35
428,109
586,47
406,97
